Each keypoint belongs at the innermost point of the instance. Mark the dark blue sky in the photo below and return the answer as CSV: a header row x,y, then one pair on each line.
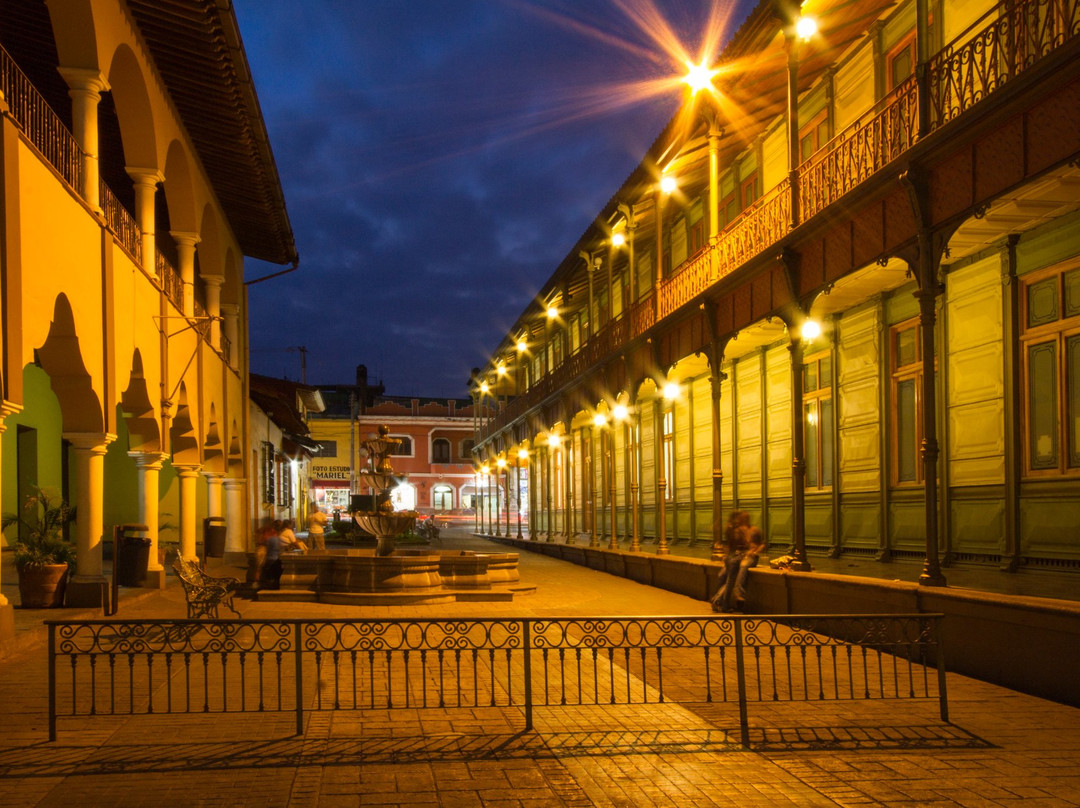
x,y
439,159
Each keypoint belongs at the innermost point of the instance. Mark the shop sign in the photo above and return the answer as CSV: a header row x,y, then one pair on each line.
x,y
330,472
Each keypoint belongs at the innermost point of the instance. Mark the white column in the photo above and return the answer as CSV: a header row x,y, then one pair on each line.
x,y
7,611
212,284
87,586
188,477
146,181
185,251
147,466
234,515
85,88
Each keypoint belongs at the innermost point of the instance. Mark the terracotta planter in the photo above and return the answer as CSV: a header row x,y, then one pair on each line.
x,y
43,587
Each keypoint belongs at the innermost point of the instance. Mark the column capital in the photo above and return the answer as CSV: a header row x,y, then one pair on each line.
x,y
149,460
7,408
213,476
234,482
87,80
214,281
93,442
187,470
230,309
147,177
185,238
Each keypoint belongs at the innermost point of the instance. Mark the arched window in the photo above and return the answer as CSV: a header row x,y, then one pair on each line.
x,y
466,449
440,450
442,497
405,447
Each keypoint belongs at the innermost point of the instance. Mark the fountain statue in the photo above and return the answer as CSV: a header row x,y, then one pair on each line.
x,y
384,523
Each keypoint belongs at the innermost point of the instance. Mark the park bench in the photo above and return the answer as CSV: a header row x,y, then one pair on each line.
x,y
204,592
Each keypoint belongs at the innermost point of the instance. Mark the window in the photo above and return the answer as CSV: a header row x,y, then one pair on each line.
x,y
669,454
905,348
404,448
268,473
440,450
749,190
900,62
813,136
327,448
697,236
1050,360
818,412
466,448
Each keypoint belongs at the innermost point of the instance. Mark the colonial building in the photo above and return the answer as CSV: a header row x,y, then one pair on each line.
x,y
279,465
136,175
436,435
841,291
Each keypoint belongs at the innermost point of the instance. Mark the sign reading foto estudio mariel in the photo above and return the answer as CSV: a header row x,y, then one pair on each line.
x,y
330,472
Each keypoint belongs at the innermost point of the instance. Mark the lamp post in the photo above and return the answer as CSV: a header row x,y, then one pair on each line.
x,y
621,414
501,465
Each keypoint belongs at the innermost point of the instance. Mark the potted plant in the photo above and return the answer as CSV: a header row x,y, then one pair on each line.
x,y
43,558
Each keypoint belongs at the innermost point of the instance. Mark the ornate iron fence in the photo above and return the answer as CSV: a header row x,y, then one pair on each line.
x,y
144,667
121,223
171,281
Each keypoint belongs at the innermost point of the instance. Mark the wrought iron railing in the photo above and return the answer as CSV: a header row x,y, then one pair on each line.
x,y
41,125
161,667
865,147
226,349
693,278
121,223
997,47
171,282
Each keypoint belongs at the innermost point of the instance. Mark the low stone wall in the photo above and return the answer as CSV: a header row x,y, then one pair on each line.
x,y
1027,644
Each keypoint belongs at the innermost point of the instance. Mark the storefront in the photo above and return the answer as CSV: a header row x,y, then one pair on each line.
x,y
330,487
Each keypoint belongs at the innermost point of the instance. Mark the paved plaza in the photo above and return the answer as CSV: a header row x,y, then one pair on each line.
x,y
1001,747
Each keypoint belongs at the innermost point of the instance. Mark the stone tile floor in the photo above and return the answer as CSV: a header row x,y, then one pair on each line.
x,y
1001,748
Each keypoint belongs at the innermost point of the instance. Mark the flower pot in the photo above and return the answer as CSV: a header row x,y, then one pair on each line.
x,y
43,587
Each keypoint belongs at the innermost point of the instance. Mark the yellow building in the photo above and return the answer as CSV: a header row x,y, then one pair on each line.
x,y
136,176
841,292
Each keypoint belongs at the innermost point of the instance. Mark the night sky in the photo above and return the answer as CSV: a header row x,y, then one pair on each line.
x,y
440,158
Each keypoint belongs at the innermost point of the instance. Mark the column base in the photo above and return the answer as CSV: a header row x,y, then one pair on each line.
x,y
929,579
801,566
89,592
155,579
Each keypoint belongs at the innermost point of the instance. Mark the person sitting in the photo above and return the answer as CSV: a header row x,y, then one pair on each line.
x,y
743,544
289,538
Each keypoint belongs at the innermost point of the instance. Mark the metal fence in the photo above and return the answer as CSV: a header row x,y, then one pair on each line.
x,y
144,667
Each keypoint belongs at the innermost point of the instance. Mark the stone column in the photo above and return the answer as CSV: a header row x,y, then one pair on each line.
x,y
212,284
230,313
213,492
88,586
188,474
549,524
146,181
716,379
234,516
185,252
661,481
798,459
632,472
147,467
613,539
594,537
7,611
85,88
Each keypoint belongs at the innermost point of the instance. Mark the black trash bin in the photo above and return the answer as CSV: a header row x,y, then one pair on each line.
x,y
131,555
213,537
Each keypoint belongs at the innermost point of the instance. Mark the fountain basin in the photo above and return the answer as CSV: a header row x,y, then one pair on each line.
x,y
406,576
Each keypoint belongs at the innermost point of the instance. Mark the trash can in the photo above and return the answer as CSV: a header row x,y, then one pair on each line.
x,y
131,554
214,537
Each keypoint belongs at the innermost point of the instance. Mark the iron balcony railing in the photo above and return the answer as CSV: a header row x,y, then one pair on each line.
x,y
141,667
121,223
41,126
1009,39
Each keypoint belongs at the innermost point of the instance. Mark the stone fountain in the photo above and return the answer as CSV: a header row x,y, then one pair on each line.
x,y
387,576
384,523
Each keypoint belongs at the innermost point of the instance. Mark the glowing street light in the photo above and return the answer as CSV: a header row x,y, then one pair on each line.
x,y
599,420
617,239
668,184
620,412
552,312
805,28
811,330
671,391
522,345
698,77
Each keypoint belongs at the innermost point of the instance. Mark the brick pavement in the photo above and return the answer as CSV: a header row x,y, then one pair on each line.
x,y
1002,748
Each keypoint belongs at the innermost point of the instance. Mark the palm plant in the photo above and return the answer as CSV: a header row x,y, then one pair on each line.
x,y
41,523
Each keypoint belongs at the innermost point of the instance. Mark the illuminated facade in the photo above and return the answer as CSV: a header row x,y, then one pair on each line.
x,y
136,176
841,292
